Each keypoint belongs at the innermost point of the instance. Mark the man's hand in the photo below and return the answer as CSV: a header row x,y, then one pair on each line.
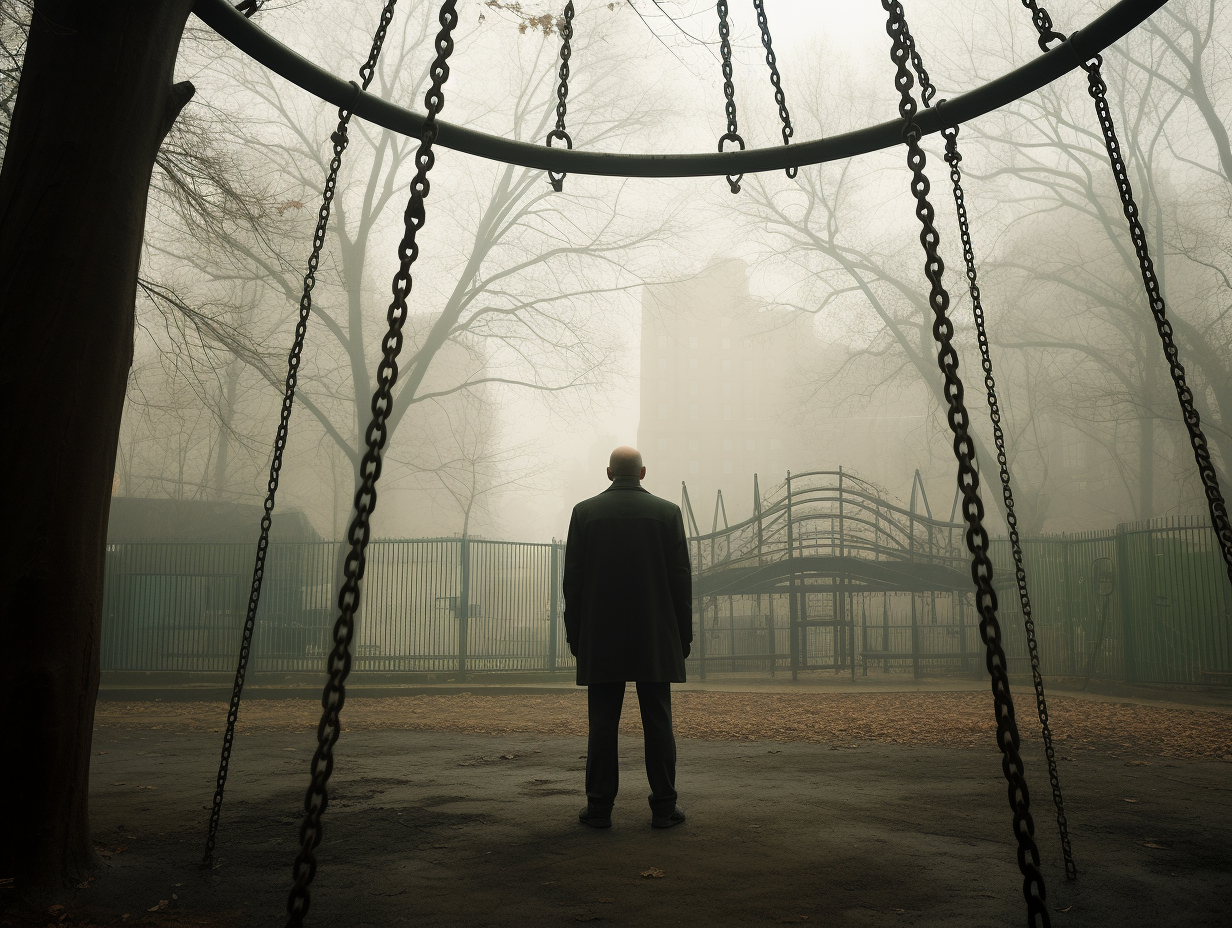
x,y
687,648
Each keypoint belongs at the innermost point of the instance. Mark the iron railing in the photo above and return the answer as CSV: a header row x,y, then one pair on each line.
x,y
1146,602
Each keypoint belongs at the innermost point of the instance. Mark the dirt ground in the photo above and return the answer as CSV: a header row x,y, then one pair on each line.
x,y
884,809
917,719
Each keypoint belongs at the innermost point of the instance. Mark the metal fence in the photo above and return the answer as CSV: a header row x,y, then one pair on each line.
x,y
427,605
1146,602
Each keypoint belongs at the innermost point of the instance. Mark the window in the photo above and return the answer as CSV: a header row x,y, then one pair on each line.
x,y
727,388
692,444
693,342
663,343
750,444
748,364
775,444
748,411
695,467
692,410
692,388
727,411
1071,455
661,444
727,343
663,410
727,444
726,365
727,468
692,364
662,364
664,387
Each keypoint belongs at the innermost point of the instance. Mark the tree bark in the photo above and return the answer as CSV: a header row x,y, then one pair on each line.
x,y
94,102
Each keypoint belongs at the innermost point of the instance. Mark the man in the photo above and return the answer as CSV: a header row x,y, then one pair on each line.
x,y
628,617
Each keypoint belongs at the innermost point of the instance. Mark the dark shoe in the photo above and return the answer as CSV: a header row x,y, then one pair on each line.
x,y
595,818
675,817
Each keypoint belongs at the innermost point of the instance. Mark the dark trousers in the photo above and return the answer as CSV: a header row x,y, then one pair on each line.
x,y
605,701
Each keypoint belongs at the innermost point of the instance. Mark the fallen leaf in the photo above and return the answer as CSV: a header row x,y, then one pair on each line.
x,y
1129,800
1160,847
653,872
1067,908
162,904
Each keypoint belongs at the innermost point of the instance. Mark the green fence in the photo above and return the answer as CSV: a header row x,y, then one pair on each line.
x,y
427,605
1147,603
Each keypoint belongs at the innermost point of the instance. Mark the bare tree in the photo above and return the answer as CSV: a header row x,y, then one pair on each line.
x,y
71,220
531,270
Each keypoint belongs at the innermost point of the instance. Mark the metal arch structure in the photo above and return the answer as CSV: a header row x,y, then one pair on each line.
x,y
1081,47
825,525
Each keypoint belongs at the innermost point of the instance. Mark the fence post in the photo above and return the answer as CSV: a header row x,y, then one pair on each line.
x,y
1125,601
793,605
553,605
701,638
464,600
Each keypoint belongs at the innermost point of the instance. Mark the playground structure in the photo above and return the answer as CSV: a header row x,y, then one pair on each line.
x,y
824,543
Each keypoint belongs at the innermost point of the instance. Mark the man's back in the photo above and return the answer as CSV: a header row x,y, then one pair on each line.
x,y
627,585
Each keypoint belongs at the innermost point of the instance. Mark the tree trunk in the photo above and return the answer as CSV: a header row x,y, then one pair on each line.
x,y
93,105
224,428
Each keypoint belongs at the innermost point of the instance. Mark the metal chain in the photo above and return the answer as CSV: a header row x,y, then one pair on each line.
x,y
562,94
968,483
953,159
316,799
775,81
729,91
340,140
1098,91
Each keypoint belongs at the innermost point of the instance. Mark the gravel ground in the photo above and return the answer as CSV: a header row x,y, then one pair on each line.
x,y
909,719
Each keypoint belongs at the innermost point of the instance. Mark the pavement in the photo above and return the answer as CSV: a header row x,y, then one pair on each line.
x,y
447,829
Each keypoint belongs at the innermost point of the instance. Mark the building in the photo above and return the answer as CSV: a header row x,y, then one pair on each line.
x,y
720,376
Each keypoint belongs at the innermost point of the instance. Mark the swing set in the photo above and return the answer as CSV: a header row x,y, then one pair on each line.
x,y
1060,55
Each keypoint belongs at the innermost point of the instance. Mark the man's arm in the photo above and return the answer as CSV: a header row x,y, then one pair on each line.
x,y
680,576
572,582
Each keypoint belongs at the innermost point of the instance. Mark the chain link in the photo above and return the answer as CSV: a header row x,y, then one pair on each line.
x,y
968,482
729,91
952,157
562,93
1098,91
779,97
339,665
340,140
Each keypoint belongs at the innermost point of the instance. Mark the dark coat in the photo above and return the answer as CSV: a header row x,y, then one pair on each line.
x,y
628,587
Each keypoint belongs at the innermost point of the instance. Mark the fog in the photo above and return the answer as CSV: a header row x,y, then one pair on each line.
x,y
785,328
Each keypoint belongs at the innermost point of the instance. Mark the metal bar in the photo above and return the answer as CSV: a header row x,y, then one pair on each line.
x,y
1082,45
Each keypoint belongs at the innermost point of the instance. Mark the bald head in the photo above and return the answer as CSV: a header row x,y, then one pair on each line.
x,y
625,462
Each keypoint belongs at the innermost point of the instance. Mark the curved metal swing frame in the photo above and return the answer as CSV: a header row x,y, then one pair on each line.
x,y
1080,50
1081,47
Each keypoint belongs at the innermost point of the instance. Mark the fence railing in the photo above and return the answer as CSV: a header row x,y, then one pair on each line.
x,y
1142,603
427,605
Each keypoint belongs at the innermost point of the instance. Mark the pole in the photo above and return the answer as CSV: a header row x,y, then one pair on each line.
x,y
553,605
